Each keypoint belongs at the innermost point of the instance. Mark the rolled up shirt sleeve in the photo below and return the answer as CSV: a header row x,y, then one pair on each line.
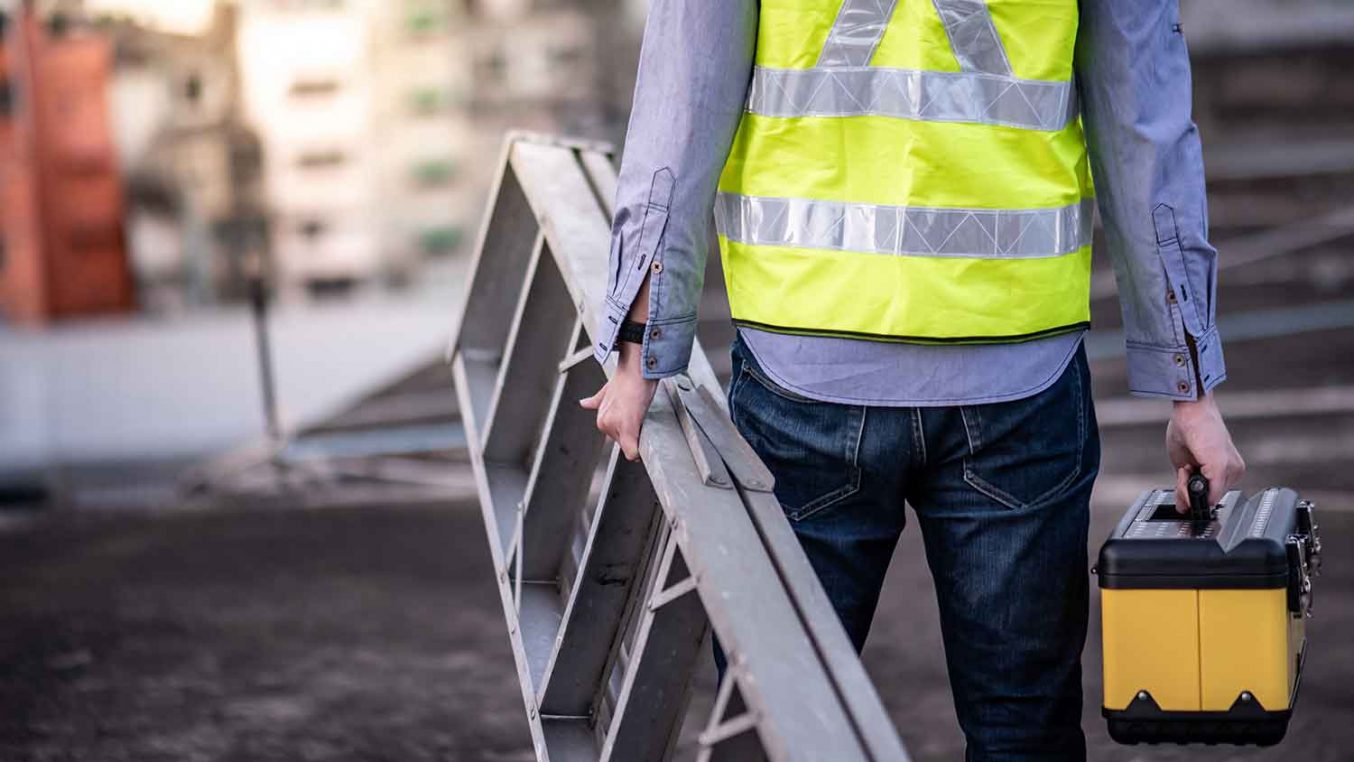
x,y
1133,77
694,71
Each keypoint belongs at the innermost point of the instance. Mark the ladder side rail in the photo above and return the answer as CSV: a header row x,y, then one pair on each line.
x,y
800,714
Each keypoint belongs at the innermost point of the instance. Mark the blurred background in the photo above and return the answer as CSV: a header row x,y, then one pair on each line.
x,y
236,519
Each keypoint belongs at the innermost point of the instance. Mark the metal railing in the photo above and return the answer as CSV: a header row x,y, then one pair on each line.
x,y
611,572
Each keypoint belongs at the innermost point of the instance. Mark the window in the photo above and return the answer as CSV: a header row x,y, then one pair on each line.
x,y
424,21
312,230
434,172
440,240
565,56
314,88
492,69
321,159
192,88
428,100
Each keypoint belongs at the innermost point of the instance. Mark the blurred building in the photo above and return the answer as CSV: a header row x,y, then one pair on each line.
x,y
307,77
352,142
61,226
380,121
195,204
425,152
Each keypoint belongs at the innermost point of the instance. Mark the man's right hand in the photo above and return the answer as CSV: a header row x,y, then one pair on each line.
x,y
623,401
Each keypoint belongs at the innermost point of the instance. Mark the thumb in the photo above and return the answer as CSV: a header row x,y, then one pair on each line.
x,y
595,401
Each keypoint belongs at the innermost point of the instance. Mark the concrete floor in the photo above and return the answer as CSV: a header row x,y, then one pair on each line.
x,y
338,634
375,634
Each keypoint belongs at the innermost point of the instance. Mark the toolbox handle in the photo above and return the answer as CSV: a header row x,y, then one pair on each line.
x,y
1197,489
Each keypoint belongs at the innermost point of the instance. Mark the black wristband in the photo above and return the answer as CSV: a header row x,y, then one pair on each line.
x,y
632,332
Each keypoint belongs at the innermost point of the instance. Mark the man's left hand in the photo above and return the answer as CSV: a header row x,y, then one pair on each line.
x,y
1198,440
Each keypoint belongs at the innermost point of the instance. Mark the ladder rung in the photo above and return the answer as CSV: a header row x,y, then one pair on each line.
x,y
502,254
651,697
582,355
728,729
541,331
611,565
540,613
672,593
563,465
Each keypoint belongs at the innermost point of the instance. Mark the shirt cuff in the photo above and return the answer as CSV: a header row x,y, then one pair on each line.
x,y
1170,372
667,343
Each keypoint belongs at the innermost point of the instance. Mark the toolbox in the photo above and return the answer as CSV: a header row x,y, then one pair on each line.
x,y
1204,616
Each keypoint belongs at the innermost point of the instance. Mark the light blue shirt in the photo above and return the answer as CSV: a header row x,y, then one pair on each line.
x,y
1133,78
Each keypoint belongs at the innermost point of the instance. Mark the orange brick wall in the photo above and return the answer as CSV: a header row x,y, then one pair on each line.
x,y
59,179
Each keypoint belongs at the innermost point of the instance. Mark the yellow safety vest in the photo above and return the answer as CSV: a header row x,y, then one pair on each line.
x,y
910,170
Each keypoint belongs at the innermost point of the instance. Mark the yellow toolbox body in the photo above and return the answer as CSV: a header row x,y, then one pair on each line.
x,y
1204,619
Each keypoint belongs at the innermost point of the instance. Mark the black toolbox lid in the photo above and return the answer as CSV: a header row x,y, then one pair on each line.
x,y
1243,547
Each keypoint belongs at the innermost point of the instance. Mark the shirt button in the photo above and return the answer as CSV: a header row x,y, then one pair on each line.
x,y
1180,360
1170,297
656,333
658,267
1183,386
651,363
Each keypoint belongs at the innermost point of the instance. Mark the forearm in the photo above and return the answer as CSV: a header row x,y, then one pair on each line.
x,y
1133,73
689,96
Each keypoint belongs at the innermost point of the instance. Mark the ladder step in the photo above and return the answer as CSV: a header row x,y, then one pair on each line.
x,y
540,335
611,564
648,712
507,486
540,615
570,450
569,739
504,251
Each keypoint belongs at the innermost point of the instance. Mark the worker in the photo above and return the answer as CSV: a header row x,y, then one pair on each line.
x,y
903,195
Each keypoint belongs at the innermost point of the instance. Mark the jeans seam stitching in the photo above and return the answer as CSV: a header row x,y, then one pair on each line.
x,y
1006,498
919,434
820,504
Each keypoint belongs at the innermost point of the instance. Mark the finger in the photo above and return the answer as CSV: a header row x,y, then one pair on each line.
x,y
595,401
1218,487
629,446
1182,489
1237,471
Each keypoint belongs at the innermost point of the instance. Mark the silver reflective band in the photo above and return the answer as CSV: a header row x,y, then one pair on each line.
x,y
902,230
931,96
856,32
973,36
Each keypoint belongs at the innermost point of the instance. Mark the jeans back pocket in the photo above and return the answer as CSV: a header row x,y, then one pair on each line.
x,y
811,447
1027,452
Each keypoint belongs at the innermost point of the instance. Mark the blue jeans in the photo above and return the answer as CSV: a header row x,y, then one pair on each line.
x,y
1002,494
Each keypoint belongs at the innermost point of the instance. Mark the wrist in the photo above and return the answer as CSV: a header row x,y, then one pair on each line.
x,y
1204,405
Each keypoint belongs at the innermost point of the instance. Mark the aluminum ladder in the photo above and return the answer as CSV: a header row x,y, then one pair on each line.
x,y
611,572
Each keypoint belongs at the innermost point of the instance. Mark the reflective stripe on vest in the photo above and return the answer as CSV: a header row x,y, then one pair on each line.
x,y
898,230
839,161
